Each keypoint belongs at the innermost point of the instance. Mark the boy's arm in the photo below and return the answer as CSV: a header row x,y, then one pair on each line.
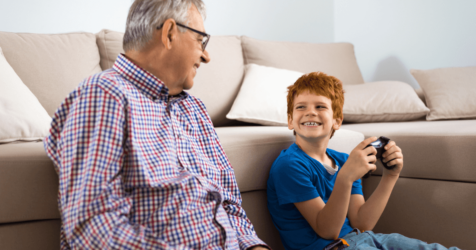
x,y
327,219
364,215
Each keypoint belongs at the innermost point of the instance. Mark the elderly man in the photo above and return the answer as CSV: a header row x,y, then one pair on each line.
x,y
140,165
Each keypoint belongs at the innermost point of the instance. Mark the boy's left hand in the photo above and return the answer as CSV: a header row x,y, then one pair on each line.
x,y
393,156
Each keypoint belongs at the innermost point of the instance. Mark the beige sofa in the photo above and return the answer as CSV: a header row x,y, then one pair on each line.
x,y
433,201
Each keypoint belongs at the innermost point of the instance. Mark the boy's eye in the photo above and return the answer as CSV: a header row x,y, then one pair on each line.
x,y
299,107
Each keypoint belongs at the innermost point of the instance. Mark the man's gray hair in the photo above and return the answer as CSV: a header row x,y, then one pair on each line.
x,y
146,15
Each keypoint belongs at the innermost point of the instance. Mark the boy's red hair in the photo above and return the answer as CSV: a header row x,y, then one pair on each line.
x,y
319,83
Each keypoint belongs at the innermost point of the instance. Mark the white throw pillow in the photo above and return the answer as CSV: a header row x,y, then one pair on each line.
x,y
450,93
384,101
21,115
262,97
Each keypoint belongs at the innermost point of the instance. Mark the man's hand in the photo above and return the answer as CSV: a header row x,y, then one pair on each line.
x,y
361,160
393,156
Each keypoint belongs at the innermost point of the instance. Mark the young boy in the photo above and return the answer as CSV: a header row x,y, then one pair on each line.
x,y
315,193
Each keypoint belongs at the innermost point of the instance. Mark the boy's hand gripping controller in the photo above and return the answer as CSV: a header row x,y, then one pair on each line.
x,y
380,144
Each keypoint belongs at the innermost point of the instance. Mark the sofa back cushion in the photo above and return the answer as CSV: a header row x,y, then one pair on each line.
x,y
110,45
51,66
336,59
216,83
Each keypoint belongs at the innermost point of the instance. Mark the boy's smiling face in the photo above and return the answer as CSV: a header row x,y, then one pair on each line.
x,y
313,117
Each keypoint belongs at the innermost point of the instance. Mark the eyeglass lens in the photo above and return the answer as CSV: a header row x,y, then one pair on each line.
x,y
204,42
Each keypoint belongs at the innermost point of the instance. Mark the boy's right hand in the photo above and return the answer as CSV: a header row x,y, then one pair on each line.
x,y
361,160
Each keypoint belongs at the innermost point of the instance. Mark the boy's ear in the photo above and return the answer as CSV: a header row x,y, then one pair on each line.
x,y
290,122
337,123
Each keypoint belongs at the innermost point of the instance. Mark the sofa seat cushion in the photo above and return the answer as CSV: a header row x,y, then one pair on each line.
x,y
252,150
255,204
441,150
429,210
38,235
28,183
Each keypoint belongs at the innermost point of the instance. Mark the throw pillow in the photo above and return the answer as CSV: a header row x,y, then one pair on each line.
x,y
449,92
262,97
383,101
21,115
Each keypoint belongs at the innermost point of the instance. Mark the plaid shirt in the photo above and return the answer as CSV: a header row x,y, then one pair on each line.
x,y
141,170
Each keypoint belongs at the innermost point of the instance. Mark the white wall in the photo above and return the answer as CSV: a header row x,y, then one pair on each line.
x,y
393,36
390,36
277,20
280,20
60,16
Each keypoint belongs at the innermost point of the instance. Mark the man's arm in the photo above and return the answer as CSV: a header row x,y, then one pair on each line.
x,y
364,215
89,153
247,237
327,219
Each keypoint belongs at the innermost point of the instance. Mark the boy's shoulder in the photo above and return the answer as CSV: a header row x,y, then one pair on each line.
x,y
337,153
292,152
293,158
289,160
339,157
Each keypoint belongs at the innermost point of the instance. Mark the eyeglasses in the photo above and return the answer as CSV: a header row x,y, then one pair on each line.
x,y
206,37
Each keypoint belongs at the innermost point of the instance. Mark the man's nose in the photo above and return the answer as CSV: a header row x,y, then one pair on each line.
x,y
205,57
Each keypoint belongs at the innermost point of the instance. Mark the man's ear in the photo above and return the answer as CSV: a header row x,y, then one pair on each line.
x,y
290,122
169,33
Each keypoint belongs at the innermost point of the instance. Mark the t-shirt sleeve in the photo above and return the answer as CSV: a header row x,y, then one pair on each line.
x,y
292,181
357,187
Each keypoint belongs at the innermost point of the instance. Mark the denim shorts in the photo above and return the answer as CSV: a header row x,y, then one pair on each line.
x,y
370,240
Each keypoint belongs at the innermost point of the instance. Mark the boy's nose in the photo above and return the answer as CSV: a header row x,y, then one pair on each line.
x,y
311,113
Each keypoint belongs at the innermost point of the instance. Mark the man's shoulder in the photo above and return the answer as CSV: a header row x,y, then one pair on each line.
x,y
197,106
109,81
107,78
195,101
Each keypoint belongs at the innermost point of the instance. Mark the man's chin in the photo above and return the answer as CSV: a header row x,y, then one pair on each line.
x,y
188,86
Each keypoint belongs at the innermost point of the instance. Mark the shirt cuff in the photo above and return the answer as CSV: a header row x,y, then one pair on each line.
x,y
248,241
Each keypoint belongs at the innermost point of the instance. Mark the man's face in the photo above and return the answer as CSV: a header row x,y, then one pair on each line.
x,y
312,117
189,53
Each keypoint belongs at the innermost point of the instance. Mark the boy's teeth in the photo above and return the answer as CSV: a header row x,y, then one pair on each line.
x,y
310,123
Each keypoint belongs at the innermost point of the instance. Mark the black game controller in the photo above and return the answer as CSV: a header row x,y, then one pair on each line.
x,y
380,144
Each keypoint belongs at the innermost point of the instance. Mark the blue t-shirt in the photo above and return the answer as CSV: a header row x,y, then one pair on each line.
x,y
296,177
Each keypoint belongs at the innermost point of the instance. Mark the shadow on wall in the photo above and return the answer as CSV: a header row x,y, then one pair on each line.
x,y
392,68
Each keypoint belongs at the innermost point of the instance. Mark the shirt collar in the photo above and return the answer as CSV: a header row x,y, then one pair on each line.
x,y
148,84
